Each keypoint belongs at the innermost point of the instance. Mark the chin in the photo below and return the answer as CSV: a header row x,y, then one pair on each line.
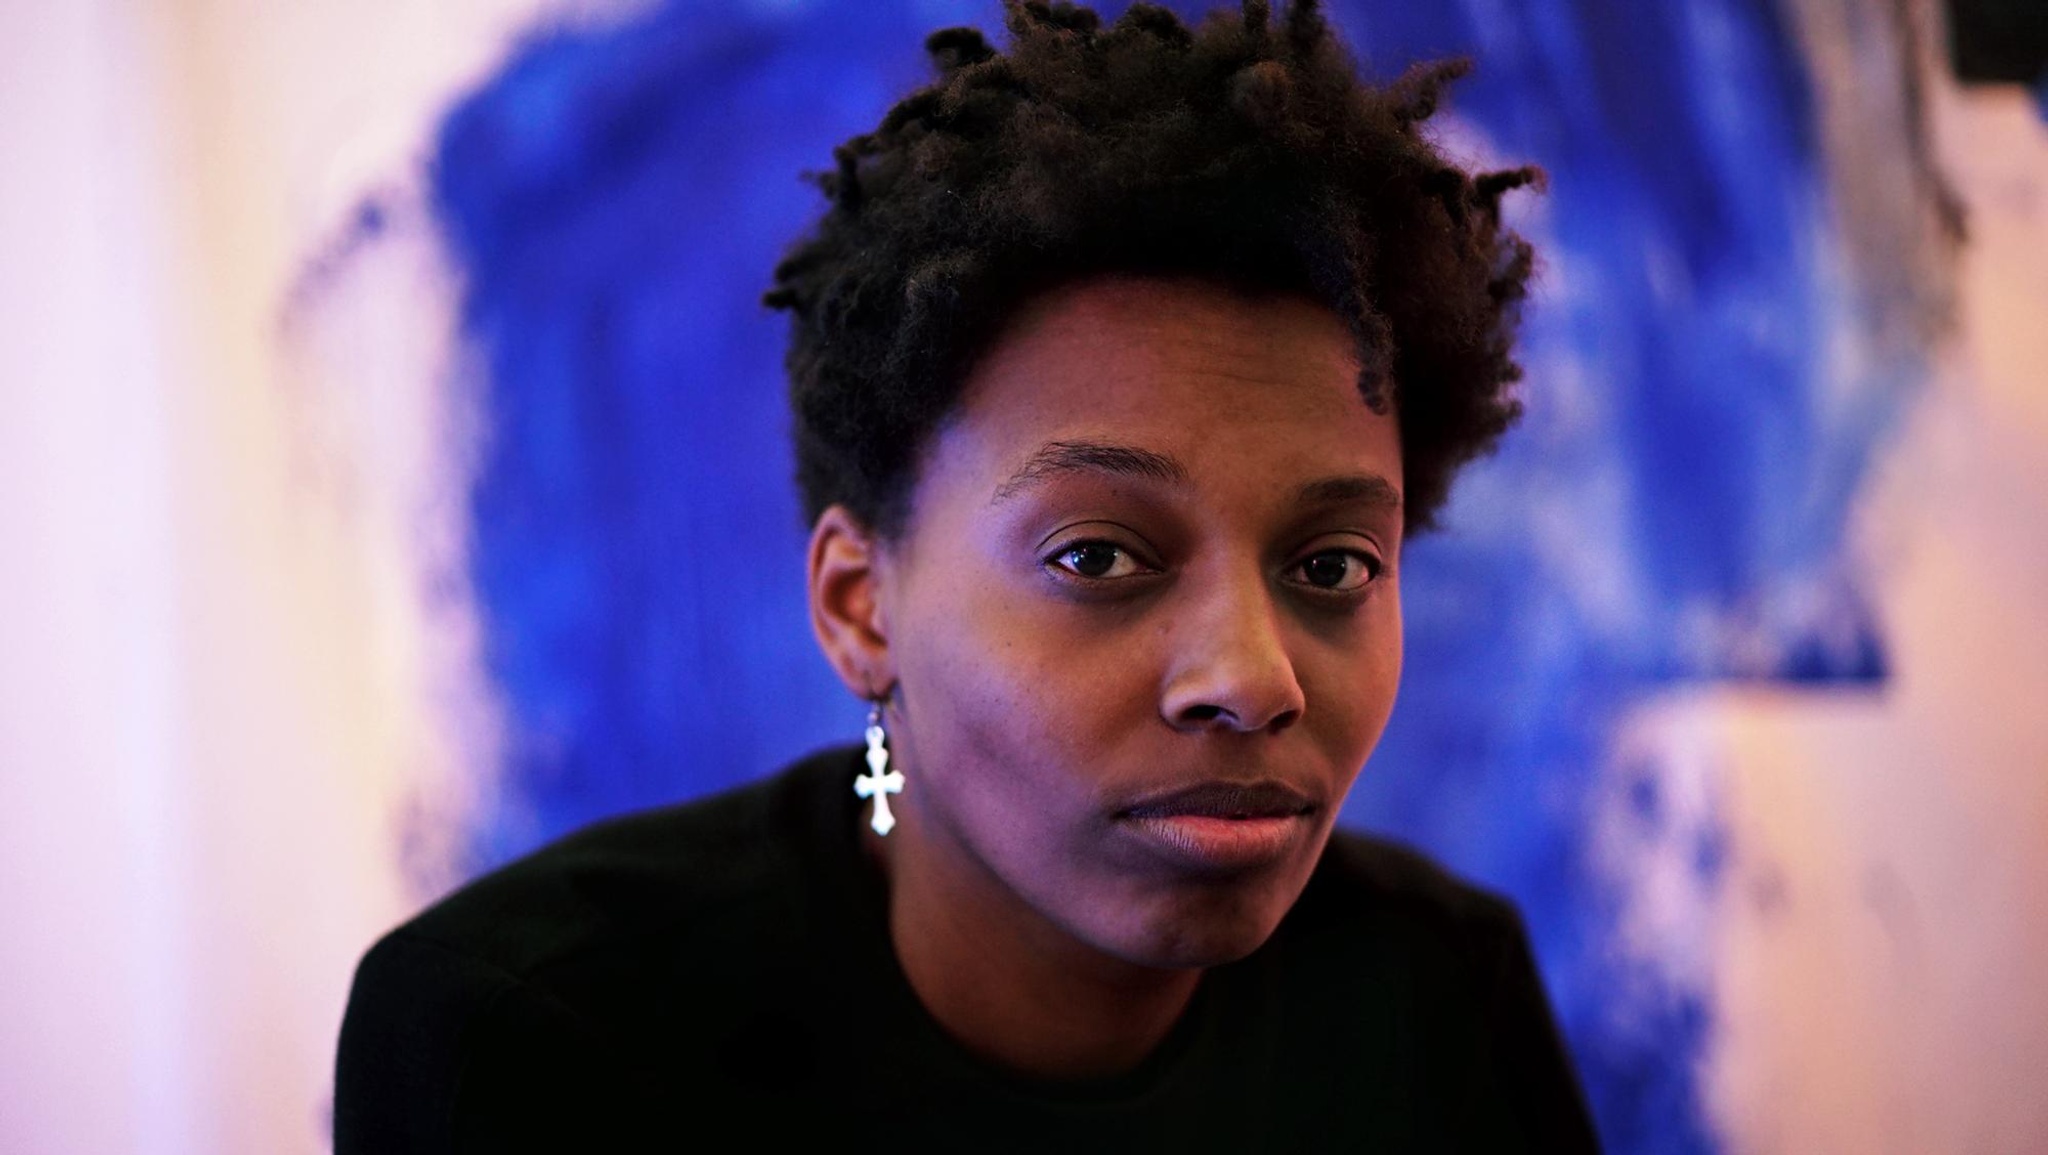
x,y
1204,931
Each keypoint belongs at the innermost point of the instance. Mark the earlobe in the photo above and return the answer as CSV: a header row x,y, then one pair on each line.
x,y
845,576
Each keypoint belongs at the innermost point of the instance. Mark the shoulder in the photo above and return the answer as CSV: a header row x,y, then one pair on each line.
x,y
583,965
1387,945
603,919
628,878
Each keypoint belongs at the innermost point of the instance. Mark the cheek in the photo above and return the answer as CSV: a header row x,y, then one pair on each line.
x,y
1381,669
989,699
1022,713
1360,680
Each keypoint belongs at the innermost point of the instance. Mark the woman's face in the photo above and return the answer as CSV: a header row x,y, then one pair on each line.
x,y
1145,615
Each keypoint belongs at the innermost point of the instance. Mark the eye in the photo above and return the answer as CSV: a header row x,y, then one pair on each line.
x,y
1096,559
1337,570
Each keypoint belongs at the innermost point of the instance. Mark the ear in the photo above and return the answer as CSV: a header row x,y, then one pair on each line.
x,y
846,604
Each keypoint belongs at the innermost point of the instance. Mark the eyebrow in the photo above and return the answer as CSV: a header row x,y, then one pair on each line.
x,y
1355,489
1056,458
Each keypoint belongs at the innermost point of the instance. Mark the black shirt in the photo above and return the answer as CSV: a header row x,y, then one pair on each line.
x,y
718,976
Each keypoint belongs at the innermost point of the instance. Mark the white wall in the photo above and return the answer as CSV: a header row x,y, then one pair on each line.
x,y
211,665
1881,953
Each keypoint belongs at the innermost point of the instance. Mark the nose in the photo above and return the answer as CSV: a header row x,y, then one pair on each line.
x,y
1230,668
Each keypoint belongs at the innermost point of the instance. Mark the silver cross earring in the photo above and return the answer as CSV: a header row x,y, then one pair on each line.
x,y
880,781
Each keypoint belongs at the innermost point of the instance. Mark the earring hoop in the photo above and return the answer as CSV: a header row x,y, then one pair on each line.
x,y
880,781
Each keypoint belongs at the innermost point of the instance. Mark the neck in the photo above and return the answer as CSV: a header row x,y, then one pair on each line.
x,y
1009,984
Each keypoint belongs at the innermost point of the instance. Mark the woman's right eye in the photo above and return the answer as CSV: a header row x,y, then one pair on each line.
x,y
1096,559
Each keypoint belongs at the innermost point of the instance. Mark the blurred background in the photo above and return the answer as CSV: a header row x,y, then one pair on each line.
x,y
392,478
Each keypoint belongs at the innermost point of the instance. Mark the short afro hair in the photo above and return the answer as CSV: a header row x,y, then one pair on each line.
x,y
1245,150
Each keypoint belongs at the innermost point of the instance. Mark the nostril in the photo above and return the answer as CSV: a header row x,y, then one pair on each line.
x,y
1205,713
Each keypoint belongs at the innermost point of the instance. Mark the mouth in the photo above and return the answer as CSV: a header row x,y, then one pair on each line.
x,y
1226,800
1223,827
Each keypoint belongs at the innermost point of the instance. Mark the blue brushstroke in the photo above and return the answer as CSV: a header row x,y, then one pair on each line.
x,y
1672,510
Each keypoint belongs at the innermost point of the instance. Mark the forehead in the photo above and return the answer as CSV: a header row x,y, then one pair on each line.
x,y
1218,379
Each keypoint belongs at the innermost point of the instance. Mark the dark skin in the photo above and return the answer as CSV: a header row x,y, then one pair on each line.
x,y
1139,633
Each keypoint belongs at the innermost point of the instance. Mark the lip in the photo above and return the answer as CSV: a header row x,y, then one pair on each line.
x,y
1222,827
1265,798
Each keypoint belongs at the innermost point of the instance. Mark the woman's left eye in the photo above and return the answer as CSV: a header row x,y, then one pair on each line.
x,y
1337,570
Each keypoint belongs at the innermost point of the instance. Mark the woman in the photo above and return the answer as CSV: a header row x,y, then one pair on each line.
x,y
1122,364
